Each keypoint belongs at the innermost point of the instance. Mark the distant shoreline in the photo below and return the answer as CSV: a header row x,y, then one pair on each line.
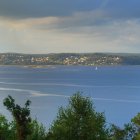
x,y
53,66
69,59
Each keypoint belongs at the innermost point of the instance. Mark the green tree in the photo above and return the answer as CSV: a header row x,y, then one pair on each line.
x,y
136,123
21,117
79,121
7,129
38,131
128,132
125,133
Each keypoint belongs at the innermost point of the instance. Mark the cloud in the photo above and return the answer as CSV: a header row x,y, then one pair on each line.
x,y
62,8
69,26
95,27
80,32
44,8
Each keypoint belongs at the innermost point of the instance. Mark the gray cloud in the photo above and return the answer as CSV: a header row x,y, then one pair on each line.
x,y
44,26
44,8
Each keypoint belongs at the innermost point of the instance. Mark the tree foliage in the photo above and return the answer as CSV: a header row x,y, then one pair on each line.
x,y
79,121
22,127
7,129
131,131
21,116
38,131
136,122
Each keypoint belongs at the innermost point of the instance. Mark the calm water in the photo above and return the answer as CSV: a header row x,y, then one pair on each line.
x,y
115,90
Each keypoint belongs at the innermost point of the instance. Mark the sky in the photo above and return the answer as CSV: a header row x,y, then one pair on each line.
x,y
65,26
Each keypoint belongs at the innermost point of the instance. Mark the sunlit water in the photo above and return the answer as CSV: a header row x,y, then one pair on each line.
x,y
114,90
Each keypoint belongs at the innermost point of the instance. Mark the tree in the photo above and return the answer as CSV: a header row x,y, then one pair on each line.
x,y
126,133
136,122
130,131
38,131
7,130
79,121
20,115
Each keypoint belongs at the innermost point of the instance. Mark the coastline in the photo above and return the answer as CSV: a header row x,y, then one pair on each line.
x,y
53,66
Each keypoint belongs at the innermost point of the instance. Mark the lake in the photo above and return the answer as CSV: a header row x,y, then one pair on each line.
x,y
115,90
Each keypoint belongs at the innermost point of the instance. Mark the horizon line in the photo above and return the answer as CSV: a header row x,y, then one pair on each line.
x,y
69,53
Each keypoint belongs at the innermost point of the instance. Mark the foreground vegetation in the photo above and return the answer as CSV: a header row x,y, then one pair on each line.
x,y
78,121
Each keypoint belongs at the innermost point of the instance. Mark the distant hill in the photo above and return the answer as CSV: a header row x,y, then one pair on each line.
x,y
70,59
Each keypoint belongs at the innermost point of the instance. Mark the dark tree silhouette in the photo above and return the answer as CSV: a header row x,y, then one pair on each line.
x,y
21,116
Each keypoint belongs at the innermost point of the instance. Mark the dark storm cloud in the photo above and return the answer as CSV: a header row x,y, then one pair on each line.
x,y
44,8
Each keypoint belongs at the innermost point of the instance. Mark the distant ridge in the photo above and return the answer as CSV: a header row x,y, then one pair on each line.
x,y
91,59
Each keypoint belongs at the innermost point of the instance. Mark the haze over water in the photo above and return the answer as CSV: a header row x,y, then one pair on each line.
x,y
115,90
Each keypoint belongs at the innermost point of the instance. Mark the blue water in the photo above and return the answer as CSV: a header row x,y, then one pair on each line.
x,y
115,90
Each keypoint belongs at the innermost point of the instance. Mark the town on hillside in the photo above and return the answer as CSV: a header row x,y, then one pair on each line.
x,y
91,59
